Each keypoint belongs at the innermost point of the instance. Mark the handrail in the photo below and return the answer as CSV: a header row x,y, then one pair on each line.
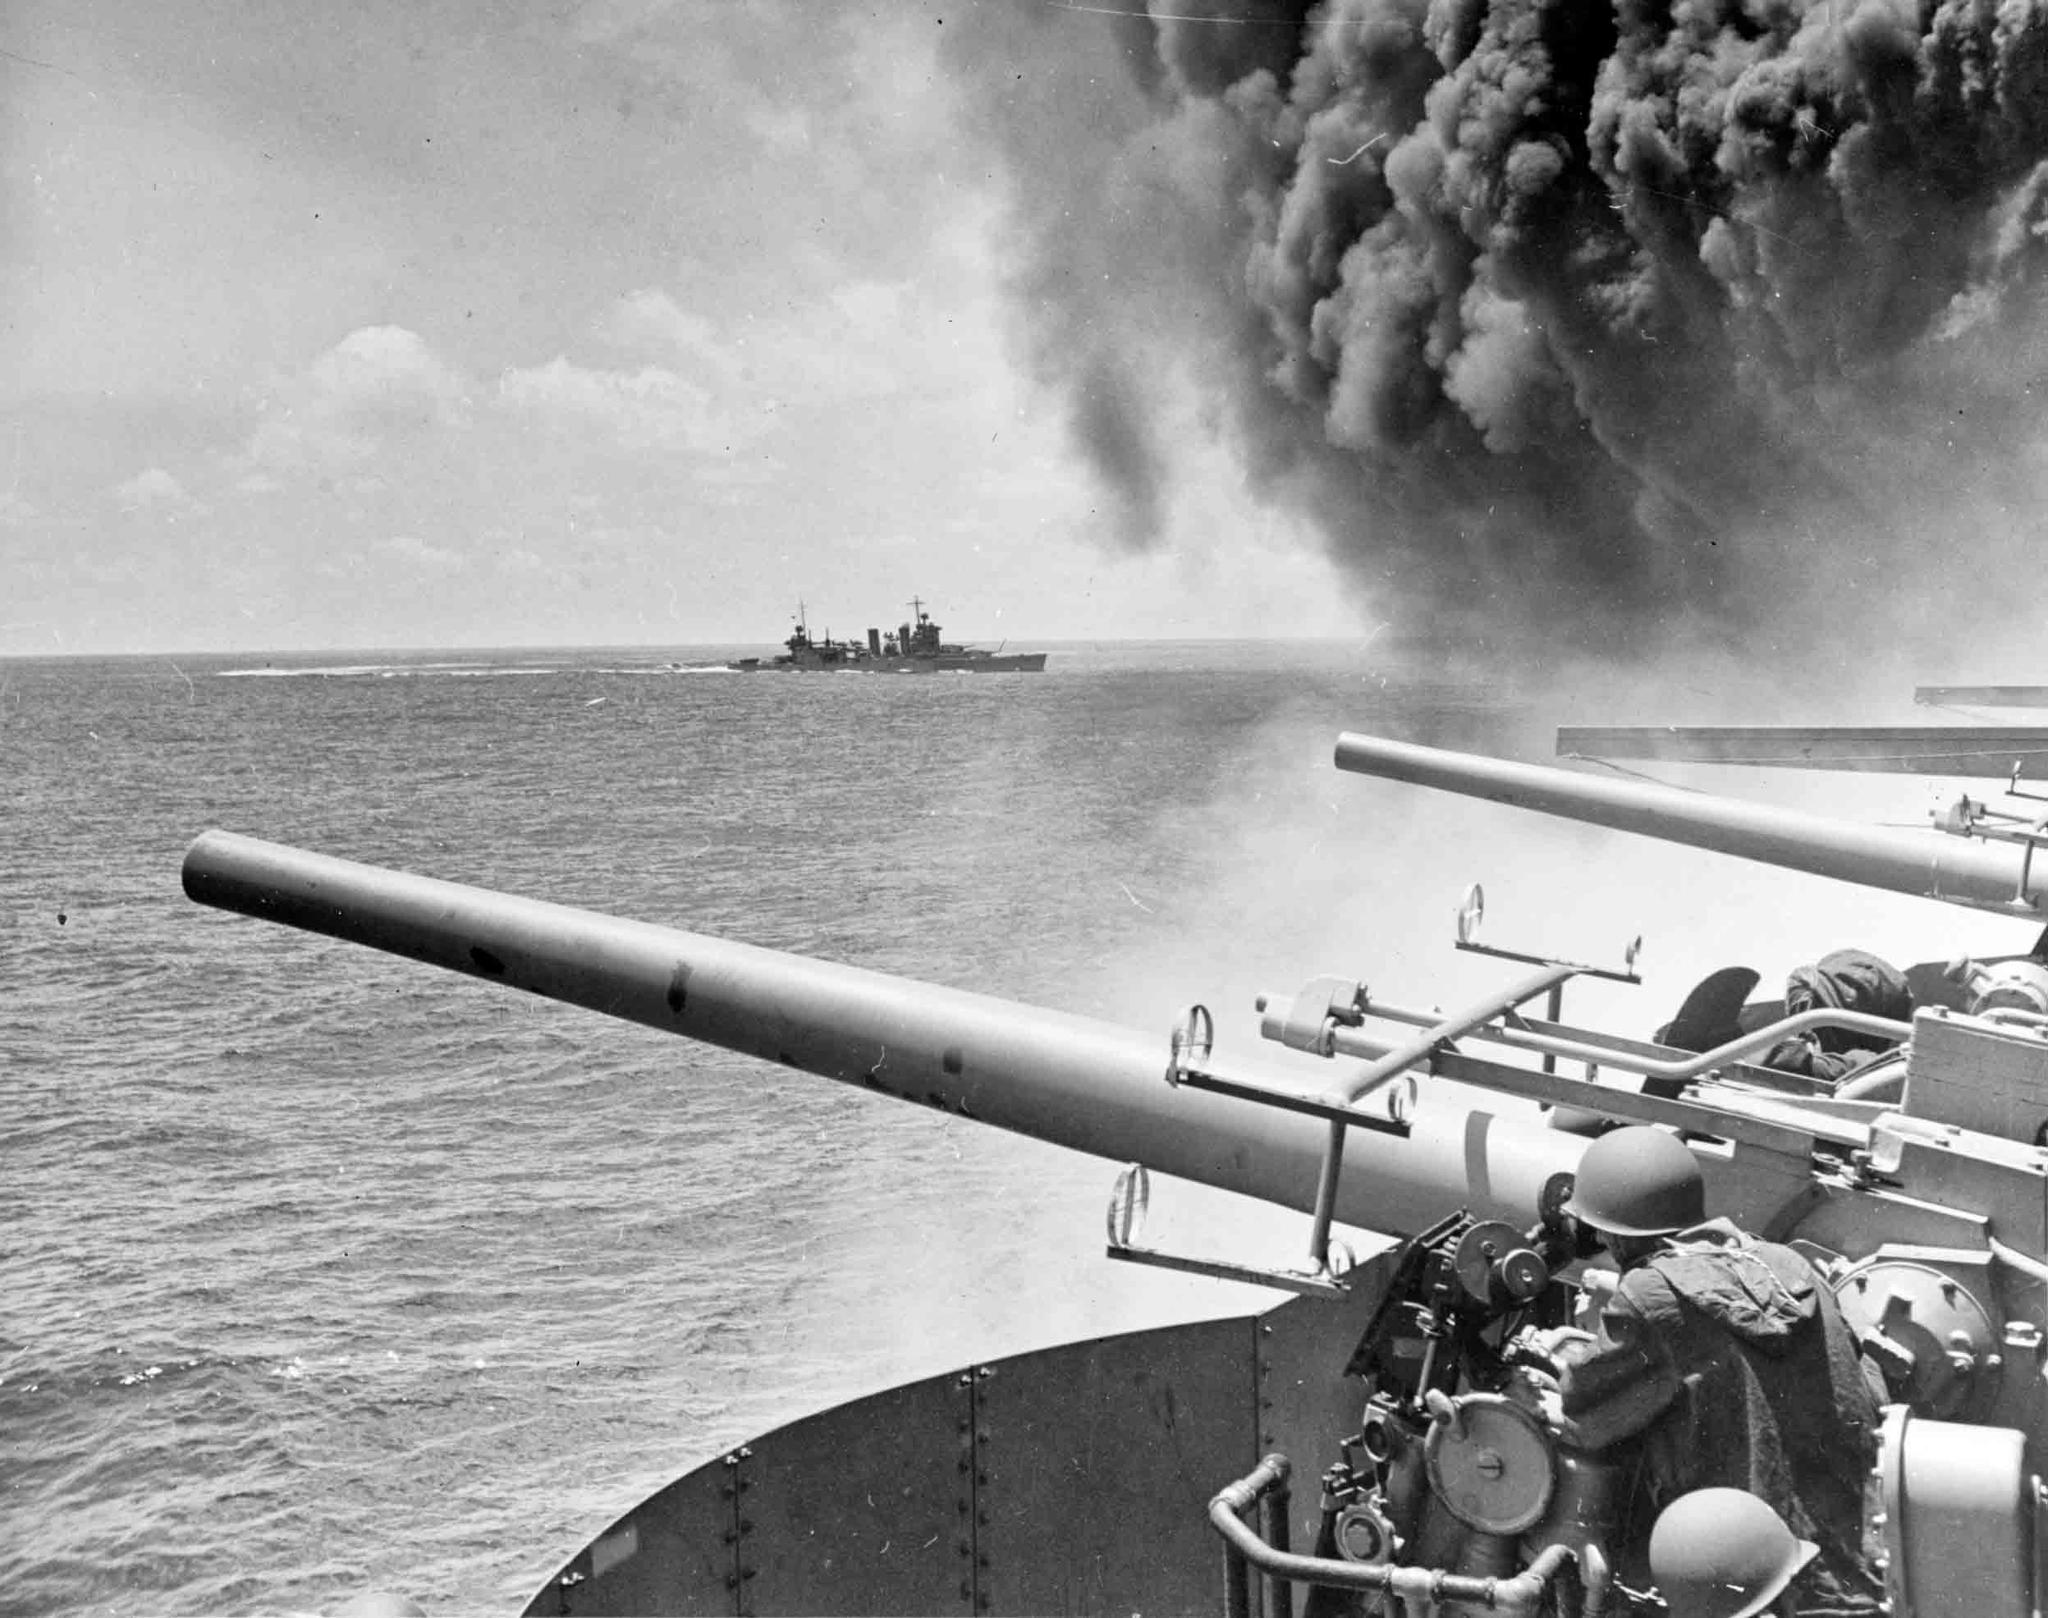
x,y
1439,1030
1348,1043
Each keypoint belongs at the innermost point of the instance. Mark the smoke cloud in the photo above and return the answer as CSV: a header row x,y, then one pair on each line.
x,y
1661,314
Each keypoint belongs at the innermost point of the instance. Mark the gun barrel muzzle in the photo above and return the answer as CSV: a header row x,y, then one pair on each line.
x,y
1075,1081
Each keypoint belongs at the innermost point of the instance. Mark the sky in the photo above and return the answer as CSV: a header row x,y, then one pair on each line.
x,y
402,323
1497,335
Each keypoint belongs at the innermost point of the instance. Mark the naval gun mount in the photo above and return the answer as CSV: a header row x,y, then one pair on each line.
x,y
1074,1478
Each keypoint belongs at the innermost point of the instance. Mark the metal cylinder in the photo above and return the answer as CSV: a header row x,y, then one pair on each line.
x,y
1237,1583
1273,1508
1957,1517
1074,1081
1982,875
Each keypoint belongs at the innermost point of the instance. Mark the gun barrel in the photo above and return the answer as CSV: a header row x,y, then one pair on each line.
x,y
1980,875
1074,1081
1983,751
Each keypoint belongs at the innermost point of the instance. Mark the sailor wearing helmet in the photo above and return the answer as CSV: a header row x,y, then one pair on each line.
x,y
1723,1359
1722,1553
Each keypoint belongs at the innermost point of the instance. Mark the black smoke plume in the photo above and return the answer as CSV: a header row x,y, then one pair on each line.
x,y
1618,315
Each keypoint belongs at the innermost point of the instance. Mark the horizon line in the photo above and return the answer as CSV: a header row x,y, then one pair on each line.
x,y
1022,641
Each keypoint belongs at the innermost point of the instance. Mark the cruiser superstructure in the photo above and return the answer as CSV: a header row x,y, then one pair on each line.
x,y
914,647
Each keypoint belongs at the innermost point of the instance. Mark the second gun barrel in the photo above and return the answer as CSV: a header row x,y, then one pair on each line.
x,y
1927,864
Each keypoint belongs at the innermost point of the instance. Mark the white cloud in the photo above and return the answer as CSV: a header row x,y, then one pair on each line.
x,y
295,442
836,347
377,363
648,409
155,490
650,318
377,383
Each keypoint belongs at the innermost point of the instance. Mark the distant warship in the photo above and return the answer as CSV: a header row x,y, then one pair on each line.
x,y
912,648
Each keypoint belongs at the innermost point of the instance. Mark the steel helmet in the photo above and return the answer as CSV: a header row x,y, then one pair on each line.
x,y
1638,1181
1723,1553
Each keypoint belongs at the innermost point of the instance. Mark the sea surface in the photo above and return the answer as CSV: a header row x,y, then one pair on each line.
x,y
321,1271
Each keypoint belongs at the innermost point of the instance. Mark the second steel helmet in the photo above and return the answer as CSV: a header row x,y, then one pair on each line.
x,y
1638,1182
1723,1553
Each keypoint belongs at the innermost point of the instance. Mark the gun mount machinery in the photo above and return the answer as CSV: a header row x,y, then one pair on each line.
x,y
1075,1478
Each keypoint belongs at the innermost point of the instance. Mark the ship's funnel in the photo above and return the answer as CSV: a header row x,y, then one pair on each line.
x,y
1980,875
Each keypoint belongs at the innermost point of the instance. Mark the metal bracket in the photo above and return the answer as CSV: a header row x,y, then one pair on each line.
x,y
1129,1201
1968,817
1472,911
1193,1039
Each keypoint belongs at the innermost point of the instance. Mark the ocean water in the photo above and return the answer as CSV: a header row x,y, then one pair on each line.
x,y
323,1271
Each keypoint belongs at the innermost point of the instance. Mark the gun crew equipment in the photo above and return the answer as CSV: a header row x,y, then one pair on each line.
x,y
1412,1384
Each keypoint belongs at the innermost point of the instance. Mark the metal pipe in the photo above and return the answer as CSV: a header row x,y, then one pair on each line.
x,y
2014,1016
1391,1066
1273,1507
1237,1583
1257,1485
1778,1129
1439,1028
1887,1084
1328,1178
1073,1081
1520,1594
2032,1268
1350,1042
1983,875
1526,1033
